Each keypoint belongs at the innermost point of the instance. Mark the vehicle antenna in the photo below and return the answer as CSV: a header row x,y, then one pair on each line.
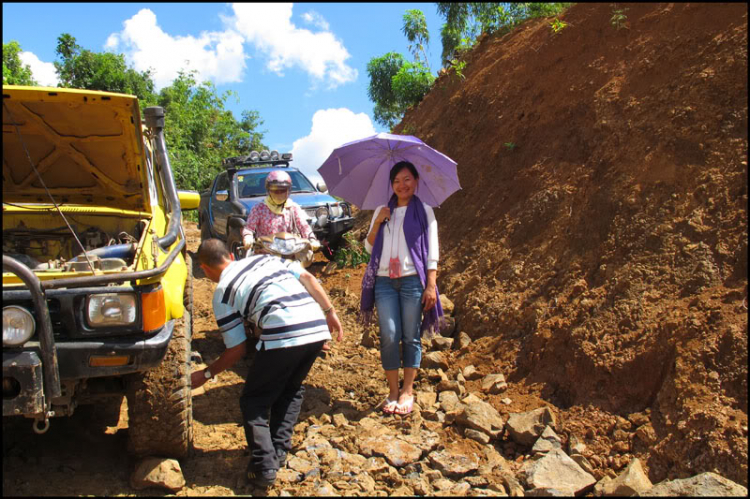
x,y
31,162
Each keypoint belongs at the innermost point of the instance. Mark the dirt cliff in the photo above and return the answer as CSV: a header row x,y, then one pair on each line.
x,y
598,248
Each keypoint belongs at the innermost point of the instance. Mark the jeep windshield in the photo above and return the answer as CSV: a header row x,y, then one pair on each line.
x,y
253,184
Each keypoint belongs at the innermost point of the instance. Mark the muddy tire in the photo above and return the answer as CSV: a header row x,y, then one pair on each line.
x,y
160,402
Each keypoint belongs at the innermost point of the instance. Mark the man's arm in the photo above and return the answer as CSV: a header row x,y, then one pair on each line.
x,y
226,360
319,294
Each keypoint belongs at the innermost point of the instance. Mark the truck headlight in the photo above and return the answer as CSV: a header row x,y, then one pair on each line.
x,y
18,325
321,214
111,309
336,211
285,246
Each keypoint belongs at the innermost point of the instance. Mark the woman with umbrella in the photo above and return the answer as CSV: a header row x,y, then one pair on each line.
x,y
403,236
402,241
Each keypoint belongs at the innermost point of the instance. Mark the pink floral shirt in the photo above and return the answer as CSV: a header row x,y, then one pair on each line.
x,y
263,222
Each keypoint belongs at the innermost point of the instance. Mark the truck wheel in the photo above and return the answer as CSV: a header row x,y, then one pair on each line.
x,y
160,402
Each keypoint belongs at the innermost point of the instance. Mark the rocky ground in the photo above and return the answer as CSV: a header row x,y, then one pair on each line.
x,y
597,262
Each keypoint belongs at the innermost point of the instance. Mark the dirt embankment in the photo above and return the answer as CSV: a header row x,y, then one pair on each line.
x,y
597,255
599,245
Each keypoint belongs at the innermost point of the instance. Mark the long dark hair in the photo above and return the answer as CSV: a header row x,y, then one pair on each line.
x,y
400,166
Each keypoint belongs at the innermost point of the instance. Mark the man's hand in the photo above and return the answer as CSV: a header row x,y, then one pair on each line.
x,y
197,379
314,244
334,325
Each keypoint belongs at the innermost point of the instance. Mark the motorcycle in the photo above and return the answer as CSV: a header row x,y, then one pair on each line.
x,y
287,245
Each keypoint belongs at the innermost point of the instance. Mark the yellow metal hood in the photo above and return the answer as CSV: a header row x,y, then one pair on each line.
x,y
87,147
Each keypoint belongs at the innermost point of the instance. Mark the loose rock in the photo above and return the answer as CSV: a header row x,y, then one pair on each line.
x,y
704,485
526,427
158,472
494,383
632,481
435,360
471,373
482,417
555,470
452,464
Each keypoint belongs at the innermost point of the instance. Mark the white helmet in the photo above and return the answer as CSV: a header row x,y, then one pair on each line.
x,y
278,178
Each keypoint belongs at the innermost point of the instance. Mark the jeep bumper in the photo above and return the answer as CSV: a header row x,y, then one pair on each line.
x,y
333,229
23,386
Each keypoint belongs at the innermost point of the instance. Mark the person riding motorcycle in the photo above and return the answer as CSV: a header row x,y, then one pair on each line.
x,y
277,213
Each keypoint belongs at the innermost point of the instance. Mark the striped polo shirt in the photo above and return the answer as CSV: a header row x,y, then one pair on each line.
x,y
266,291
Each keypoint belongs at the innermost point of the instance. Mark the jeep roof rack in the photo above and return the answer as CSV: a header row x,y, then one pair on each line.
x,y
258,159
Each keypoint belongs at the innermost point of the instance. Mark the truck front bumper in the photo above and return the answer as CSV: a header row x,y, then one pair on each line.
x,y
334,228
23,386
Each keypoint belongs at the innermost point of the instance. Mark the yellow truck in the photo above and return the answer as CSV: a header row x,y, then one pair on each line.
x,y
97,282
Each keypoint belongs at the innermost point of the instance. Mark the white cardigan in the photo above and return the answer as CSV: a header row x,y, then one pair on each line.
x,y
398,245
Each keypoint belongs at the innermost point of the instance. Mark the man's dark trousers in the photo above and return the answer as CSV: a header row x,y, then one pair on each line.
x,y
274,382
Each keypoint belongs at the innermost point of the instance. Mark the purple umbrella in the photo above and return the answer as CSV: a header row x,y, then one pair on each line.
x,y
358,171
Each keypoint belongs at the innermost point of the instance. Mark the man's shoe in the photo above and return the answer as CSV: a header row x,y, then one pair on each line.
x,y
262,479
281,457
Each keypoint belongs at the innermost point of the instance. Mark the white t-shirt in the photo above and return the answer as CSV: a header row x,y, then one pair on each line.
x,y
397,245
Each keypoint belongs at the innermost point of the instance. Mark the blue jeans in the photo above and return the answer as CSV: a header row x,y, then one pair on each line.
x,y
399,303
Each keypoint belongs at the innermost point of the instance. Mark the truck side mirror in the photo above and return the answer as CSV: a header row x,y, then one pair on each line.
x,y
322,187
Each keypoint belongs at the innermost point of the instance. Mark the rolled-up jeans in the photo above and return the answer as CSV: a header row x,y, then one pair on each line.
x,y
399,304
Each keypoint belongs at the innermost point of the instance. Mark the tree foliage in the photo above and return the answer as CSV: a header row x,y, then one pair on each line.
x,y
381,71
464,22
82,68
415,29
396,84
15,72
200,132
411,84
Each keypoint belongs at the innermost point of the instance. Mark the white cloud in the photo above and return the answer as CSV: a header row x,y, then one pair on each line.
x,y
217,56
316,20
330,129
269,27
42,72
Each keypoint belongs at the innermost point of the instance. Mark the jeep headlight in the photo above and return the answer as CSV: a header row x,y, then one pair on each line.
x,y
285,246
321,214
111,309
18,326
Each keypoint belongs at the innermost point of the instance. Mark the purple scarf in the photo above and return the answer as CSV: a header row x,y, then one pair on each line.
x,y
416,233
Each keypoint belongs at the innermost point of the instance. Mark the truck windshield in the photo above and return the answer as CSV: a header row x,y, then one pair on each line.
x,y
253,184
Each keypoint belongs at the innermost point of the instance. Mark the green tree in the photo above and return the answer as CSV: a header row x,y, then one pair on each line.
x,y
82,68
15,72
411,84
464,22
380,90
200,132
415,29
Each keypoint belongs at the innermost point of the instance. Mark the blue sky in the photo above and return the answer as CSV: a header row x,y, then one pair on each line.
x,y
303,67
